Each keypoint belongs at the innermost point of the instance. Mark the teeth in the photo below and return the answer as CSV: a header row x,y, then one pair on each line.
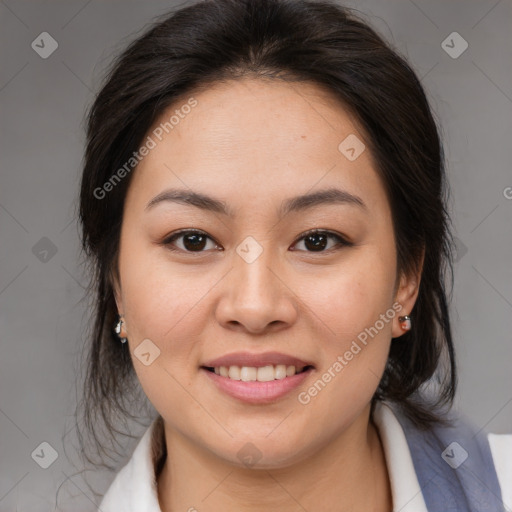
x,y
234,373
261,374
248,373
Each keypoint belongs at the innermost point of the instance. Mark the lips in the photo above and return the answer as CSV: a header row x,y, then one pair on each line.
x,y
257,378
257,360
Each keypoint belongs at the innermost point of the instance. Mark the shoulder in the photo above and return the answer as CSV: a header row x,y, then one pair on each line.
x,y
455,459
134,487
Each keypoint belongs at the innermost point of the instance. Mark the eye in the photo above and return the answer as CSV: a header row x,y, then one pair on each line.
x,y
193,241
317,240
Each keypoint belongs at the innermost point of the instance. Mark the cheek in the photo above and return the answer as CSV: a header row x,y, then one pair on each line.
x,y
162,300
354,343
354,296
355,333
163,305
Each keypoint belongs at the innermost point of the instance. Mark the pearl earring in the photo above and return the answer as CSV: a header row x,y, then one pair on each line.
x,y
118,329
405,322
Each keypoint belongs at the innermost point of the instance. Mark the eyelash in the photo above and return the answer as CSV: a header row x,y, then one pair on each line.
x,y
341,241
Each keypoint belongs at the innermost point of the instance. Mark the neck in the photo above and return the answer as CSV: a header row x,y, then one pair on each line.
x,y
349,473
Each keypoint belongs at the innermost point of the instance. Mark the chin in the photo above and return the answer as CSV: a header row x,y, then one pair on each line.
x,y
260,452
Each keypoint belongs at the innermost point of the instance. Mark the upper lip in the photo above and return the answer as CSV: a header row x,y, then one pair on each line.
x,y
256,360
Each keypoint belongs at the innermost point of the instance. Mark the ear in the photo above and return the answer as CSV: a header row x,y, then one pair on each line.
x,y
116,288
406,295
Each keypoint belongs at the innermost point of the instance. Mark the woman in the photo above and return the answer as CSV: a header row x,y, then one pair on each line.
x,y
263,202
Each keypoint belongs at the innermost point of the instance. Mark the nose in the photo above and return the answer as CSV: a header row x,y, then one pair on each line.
x,y
256,297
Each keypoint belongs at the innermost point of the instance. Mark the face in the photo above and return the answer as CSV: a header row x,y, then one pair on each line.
x,y
243,275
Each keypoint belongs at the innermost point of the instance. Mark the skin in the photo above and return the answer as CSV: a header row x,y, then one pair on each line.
x,y
253,143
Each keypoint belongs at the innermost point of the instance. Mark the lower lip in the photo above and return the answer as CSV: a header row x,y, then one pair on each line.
x,y
256,392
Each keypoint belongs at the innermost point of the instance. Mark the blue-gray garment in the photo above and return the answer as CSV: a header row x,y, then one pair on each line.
x,y
454,466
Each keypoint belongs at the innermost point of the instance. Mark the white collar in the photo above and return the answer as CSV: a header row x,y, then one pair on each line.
x,y
405,488
134,488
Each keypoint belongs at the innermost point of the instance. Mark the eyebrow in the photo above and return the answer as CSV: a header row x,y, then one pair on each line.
x,y
293,204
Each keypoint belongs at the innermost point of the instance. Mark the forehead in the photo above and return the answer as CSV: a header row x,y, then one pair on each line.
x,y
255,140
264,111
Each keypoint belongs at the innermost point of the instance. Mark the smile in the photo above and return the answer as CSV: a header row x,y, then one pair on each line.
x,y
257,378
260,374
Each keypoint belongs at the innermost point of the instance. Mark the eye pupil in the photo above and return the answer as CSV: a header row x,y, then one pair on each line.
x,y
198,241
319,241
315,241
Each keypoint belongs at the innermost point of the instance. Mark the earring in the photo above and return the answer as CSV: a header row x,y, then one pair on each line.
x,y
405,322
118,328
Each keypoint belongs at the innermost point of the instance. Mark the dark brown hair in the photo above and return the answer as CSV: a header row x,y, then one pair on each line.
x,y
312,41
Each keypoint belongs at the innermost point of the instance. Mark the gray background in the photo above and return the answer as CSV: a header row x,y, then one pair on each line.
x,y
42,108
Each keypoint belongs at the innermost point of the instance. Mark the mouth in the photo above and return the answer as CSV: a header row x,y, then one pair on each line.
x,y
257,378
260,374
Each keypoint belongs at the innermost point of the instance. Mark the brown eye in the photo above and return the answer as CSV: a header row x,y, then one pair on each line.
x,y
192,241
318,241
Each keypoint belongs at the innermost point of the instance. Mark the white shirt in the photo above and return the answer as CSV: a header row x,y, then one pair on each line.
x,y
134,487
